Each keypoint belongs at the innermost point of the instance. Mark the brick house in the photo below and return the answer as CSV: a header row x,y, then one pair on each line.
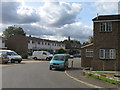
x,y
106,55
17,43
87,55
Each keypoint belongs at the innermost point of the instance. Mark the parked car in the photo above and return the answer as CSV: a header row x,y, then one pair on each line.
x,y
71,56
12,56
42,55
59,61
3,58
77,55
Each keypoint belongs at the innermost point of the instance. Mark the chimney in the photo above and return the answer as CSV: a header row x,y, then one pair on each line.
x,y
97,15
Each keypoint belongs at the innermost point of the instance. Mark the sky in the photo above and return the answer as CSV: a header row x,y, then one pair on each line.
x,y
55,20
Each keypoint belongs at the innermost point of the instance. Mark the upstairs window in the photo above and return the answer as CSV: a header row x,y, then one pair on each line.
x,y
106,27
89,52
107,54
32,41
38,42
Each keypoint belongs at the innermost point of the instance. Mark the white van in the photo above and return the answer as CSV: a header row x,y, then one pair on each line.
x,y
41,55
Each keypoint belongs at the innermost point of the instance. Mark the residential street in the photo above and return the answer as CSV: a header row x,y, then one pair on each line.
x,y
36,74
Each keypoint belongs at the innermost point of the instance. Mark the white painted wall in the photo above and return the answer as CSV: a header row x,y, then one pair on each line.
x,y
2,44
48,47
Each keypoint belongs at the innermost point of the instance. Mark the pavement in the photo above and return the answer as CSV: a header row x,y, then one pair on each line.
x,y
76,73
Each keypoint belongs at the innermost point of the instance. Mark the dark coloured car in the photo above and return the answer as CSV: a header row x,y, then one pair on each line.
x,y
76,55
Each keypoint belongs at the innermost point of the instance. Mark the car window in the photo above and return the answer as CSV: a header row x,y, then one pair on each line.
x,y
3,55
44,53
61,58
11,53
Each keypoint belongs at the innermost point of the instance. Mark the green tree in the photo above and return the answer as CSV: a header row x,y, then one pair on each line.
x,y
13,30
61,51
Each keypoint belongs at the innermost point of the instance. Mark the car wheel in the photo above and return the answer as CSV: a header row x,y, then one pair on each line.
x,y
5,62
35,58
19,61
50,68
47,58
12,61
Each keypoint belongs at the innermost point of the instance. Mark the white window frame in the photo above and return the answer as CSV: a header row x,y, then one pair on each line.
x,y
111,54
109,26
89,52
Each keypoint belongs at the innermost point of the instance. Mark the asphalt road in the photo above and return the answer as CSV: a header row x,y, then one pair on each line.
x,y
36,75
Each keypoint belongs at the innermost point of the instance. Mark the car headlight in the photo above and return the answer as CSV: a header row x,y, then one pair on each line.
x,y
51,63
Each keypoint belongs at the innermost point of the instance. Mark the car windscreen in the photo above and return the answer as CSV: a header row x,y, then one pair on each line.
x,y
12,53
60,58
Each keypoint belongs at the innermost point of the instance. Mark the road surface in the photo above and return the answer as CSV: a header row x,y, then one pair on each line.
x,y
36,75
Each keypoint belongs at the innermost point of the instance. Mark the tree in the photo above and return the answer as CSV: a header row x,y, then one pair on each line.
x,y
91,39
12,30
61,51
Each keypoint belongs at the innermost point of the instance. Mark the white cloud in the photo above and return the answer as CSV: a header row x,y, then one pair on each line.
x,y
106,7
15,12
59,13
53,20
76,30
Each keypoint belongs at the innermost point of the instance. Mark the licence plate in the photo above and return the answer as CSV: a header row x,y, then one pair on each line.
x,y
55,65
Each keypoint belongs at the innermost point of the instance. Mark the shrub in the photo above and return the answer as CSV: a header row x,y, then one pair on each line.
x,y
24,55
95,76
88,74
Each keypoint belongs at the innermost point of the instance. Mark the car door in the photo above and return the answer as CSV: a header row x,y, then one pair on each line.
x,y
44,55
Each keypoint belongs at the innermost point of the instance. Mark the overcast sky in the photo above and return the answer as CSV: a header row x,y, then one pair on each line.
x,y
55,20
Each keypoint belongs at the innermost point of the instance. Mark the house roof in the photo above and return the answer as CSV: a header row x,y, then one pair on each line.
x,y
39,39
87,45
107,17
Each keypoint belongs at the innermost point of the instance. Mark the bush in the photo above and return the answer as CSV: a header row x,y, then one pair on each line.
x,y
95,76
24,55
88,74
61,51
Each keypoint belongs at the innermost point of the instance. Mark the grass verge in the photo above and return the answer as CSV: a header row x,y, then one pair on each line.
x,y
103,79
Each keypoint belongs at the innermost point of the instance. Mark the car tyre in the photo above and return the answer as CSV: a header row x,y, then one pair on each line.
x,y
12,61
19,61
35,58
5,62
50,68
47,58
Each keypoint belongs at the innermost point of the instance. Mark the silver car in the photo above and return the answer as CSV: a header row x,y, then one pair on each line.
x,y
12,56
3,58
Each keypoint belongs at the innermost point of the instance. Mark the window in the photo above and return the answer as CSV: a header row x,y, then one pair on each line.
x,y
107,54
38,42
89,52
106,27
32,41
48,43
44,53
28,41
45,43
